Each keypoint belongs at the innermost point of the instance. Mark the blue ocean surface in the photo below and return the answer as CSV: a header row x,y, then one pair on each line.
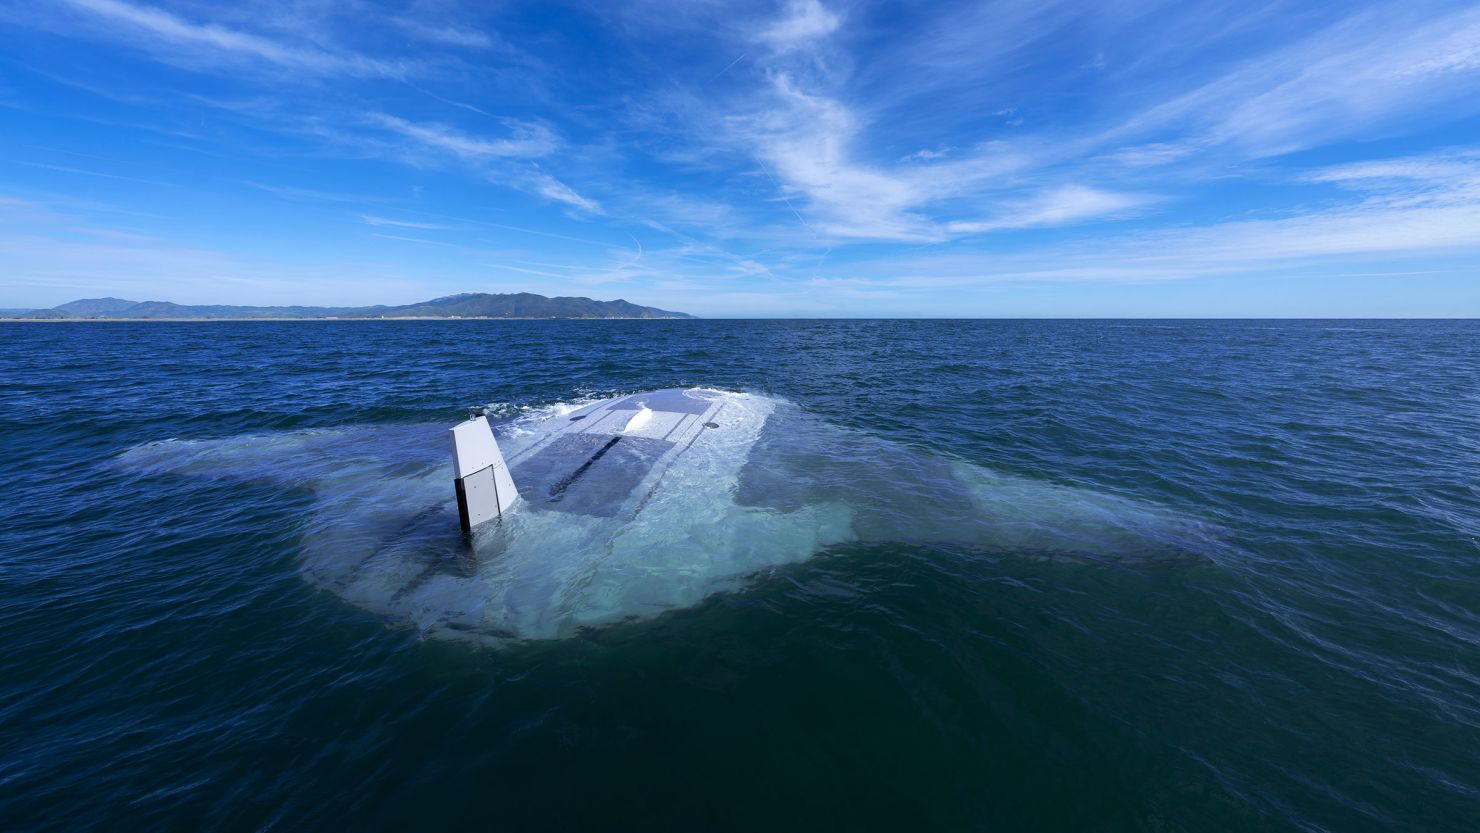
x,y
1308,660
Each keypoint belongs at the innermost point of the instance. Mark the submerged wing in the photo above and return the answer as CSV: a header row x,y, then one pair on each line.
x,y
902,494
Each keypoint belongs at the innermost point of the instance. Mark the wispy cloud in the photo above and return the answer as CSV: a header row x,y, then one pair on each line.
x,y
67,169
805,21
1152,154
370,220
551,188
816,144
526,139
818,148
1442,177
807,140
448,34
1411,207
297,194
812,143
175,38
421,240
1376,66
1057,206
927,154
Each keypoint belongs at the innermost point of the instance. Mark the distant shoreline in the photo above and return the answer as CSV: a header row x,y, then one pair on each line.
x,y
329,318
476,306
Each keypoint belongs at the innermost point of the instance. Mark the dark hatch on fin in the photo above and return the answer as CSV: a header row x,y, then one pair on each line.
x,y
587,474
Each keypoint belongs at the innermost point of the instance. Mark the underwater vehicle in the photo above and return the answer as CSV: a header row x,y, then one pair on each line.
x,y
585,516
652,429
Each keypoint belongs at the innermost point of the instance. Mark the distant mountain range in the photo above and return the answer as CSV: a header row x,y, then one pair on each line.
x,y
467,305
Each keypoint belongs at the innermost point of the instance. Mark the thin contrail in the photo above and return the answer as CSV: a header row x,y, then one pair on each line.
x,y
728,67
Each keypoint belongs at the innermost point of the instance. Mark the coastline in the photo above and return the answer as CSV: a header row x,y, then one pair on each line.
x,y
332,318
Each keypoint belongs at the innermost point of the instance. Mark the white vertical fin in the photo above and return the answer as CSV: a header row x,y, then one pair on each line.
x,y
485,490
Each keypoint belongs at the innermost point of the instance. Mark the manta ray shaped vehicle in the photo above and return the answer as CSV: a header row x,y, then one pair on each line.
x,y
627,507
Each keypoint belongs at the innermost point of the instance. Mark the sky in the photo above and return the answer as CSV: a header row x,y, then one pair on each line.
x,y
802,158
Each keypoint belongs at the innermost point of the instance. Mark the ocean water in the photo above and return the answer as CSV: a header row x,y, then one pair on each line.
x,y
1298,648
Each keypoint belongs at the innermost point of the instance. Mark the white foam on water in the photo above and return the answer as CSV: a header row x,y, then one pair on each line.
x,y
522,420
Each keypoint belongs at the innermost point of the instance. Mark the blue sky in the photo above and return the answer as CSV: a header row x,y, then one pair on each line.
x,y
809,158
